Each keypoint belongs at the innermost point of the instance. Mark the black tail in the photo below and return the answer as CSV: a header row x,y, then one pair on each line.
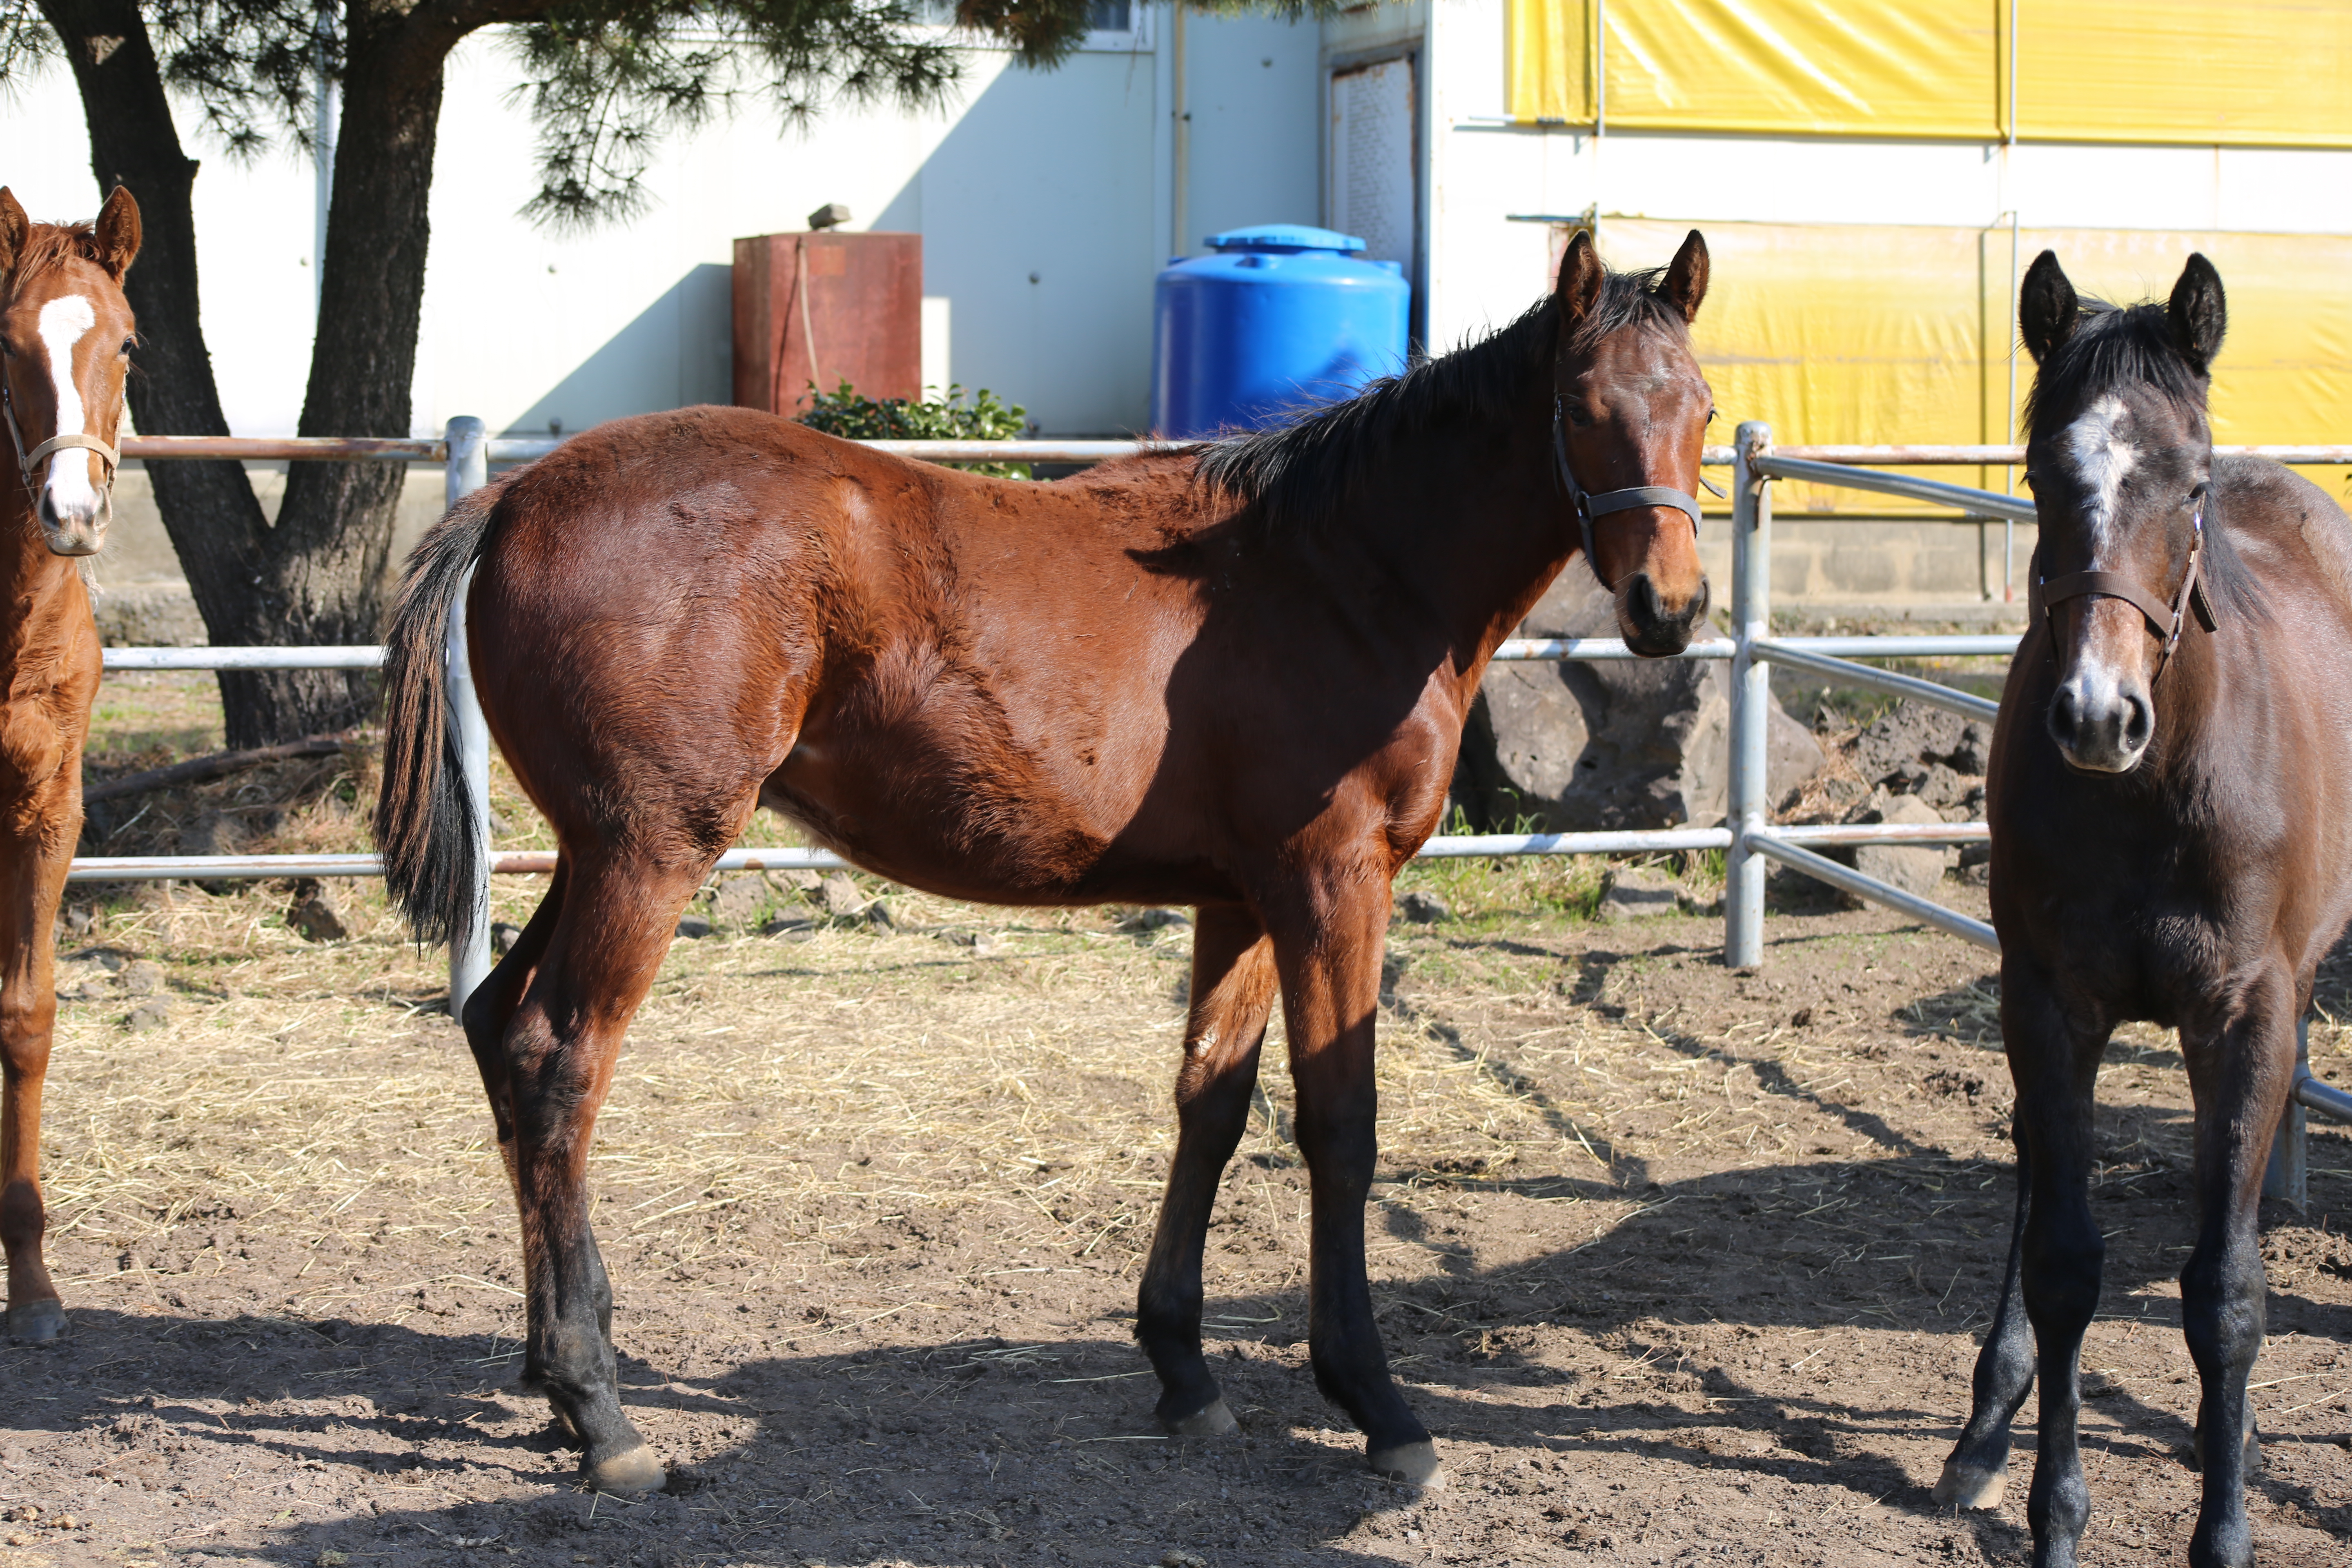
x,y
424,814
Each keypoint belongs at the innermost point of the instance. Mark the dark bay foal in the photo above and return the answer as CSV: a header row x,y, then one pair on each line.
x,y
1233,676
2170,782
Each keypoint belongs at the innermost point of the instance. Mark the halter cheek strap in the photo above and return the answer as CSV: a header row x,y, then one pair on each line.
x,y
1590,505
2165,621
28,462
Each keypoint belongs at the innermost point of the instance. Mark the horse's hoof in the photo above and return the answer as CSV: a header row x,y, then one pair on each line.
x,y
1214,1422
35,1322
1970,1486
632,1470
1415,1464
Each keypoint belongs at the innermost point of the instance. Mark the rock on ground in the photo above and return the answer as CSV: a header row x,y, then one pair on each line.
x,y
738,901
1912,737
1621,744
317,919
1634,893
1916,869
1424,907
839,896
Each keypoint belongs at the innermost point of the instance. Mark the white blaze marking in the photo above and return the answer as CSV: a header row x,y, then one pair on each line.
x,y
2102,457
64,320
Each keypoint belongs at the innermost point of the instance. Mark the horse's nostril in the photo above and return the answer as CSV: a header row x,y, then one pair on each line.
x,y
2066,715
2138,722
1648,608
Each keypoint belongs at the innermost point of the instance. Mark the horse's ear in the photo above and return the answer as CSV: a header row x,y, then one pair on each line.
x,y
118,232
15,227
2198,312
1685,282
1581,274
2047,311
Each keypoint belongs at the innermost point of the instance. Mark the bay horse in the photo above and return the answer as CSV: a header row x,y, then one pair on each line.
x,y
1230,676
65,333
2171,782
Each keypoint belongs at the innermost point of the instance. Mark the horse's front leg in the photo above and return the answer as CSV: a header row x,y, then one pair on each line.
x,y
1327,946
1977,1473
2055,1066
2238,1077
1233,991
30,887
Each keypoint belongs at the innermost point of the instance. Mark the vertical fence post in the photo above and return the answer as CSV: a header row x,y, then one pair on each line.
x,y
2288,1177
469,961
1751,696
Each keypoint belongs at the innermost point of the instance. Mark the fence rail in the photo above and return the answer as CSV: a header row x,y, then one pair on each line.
x,y
467,450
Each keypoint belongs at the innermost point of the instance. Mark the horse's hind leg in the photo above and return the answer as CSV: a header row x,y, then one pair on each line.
x,y
29,891
618,912
493,1007
489,1012
1977,1473
2055,1068
1233,991
2239,1081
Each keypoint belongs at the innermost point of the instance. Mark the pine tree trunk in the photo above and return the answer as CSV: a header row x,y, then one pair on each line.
x,y
318,576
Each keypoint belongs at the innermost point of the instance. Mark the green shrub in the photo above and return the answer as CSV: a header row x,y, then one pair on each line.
x,y
938,417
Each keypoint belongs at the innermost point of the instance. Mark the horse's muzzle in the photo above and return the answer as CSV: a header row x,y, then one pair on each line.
x,y
1650,627
2102,724
74,531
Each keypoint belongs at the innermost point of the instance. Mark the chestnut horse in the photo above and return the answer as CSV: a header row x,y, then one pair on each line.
x,y
65,346
2170,785
1232,676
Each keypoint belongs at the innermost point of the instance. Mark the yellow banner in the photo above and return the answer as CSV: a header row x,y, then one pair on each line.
x,y
2220,72
1886,334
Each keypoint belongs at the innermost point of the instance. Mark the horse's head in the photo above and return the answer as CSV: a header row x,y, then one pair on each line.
x,y
66,332
2119,454
1630,416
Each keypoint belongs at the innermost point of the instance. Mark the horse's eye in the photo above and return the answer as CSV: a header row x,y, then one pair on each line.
x,y
126,344
1579,415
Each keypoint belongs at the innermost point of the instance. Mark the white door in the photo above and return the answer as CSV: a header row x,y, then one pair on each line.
x,y
1371,165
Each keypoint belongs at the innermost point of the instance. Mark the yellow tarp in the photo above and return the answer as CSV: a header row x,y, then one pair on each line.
x,y
2237,72
1881,334
1548,52
2233,72
1872,67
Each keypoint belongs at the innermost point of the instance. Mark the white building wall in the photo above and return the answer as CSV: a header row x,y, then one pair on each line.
x,y
1042,198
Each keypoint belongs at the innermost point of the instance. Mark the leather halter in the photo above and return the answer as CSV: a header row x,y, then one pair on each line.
x,y
1590,506
2165,621
27,462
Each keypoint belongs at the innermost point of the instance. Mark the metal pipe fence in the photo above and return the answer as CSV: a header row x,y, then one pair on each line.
x,y
1748,839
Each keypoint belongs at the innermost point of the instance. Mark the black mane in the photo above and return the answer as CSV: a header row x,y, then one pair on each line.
x,y
2112,346
1300,472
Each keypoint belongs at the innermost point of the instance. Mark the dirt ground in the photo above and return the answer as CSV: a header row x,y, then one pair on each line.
x,y
1680,1265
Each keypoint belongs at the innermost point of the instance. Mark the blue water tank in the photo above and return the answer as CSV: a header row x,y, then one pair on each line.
x,y
1279,319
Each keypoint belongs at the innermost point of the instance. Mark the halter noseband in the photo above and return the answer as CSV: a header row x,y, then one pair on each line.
x,y
1590,506
26,462
2165,621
